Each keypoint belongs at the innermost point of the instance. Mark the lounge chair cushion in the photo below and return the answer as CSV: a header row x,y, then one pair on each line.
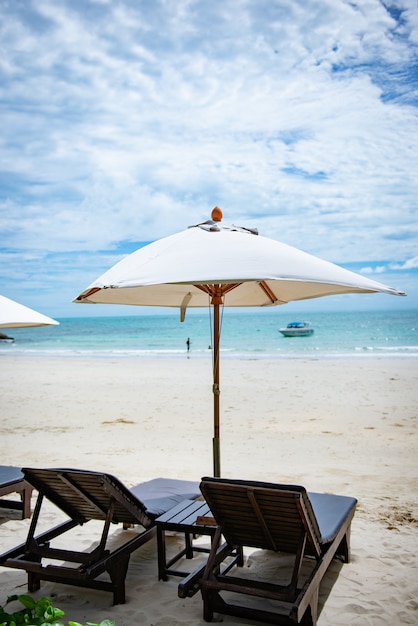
x,y
330,512
10,474
159,495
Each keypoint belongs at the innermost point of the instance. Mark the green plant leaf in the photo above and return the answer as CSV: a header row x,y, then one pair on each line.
x,y
53,613
27,601
39,613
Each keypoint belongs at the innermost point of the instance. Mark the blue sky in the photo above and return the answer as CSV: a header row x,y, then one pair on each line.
x,y
127,120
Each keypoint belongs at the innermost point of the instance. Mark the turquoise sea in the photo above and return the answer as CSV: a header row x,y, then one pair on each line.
x,y
245,335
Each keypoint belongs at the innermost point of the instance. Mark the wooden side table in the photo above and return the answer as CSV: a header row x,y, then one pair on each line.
x,y
191,518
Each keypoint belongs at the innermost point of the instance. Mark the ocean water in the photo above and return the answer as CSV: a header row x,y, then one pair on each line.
x,y
245,335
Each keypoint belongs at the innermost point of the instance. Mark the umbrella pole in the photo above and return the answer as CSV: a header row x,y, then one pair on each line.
x,y
216,391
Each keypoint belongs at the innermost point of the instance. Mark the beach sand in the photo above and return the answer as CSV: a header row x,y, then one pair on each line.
x,y
345,427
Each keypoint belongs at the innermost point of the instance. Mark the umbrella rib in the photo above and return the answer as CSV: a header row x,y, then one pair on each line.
x,y
221,290
218,290
269,293
212,291
230,287
205,288
87,294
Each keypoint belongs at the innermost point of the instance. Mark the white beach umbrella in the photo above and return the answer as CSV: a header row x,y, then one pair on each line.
x,y
15,315
219,265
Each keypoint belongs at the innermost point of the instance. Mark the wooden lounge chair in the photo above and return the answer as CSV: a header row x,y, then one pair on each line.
x,y
84,496
313,527
13,481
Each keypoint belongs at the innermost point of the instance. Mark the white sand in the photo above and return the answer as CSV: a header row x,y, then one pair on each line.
x,y
346,427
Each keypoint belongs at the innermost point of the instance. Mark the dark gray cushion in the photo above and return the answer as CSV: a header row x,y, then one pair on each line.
x,y
10,474
330,512
161,494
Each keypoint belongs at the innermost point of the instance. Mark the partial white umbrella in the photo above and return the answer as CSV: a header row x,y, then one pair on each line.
x,y
15,315
219,265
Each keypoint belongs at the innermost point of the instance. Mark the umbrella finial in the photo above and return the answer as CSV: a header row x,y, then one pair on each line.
x,y
216,214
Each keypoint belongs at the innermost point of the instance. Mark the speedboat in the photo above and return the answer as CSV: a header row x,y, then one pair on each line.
x,y
297,329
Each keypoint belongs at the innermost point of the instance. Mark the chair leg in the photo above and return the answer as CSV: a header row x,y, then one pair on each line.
x,y
34,582
207,605
188,539
310,616
117,570
343,549
26,502
214,603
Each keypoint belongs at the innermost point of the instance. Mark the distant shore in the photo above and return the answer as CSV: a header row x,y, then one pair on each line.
x,y
341,426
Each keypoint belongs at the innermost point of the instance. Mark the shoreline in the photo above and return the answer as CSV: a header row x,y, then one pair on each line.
x,y
361,354
341,426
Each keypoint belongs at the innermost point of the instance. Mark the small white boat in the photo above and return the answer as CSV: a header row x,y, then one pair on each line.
x,y
297,329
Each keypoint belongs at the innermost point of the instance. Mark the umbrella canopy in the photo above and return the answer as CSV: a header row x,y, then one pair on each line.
x,y
15,315
212,263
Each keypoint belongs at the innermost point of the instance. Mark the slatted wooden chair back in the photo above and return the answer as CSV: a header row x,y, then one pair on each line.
x,y
263,515
85,495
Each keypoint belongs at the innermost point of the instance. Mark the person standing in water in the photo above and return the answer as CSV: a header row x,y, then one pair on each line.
x,y
188,344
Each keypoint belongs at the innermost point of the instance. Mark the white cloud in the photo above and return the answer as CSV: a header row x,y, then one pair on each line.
x,y
379,269
408,265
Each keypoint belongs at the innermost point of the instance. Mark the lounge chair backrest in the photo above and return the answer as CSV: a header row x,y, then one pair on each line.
x,y
85,495
262,515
